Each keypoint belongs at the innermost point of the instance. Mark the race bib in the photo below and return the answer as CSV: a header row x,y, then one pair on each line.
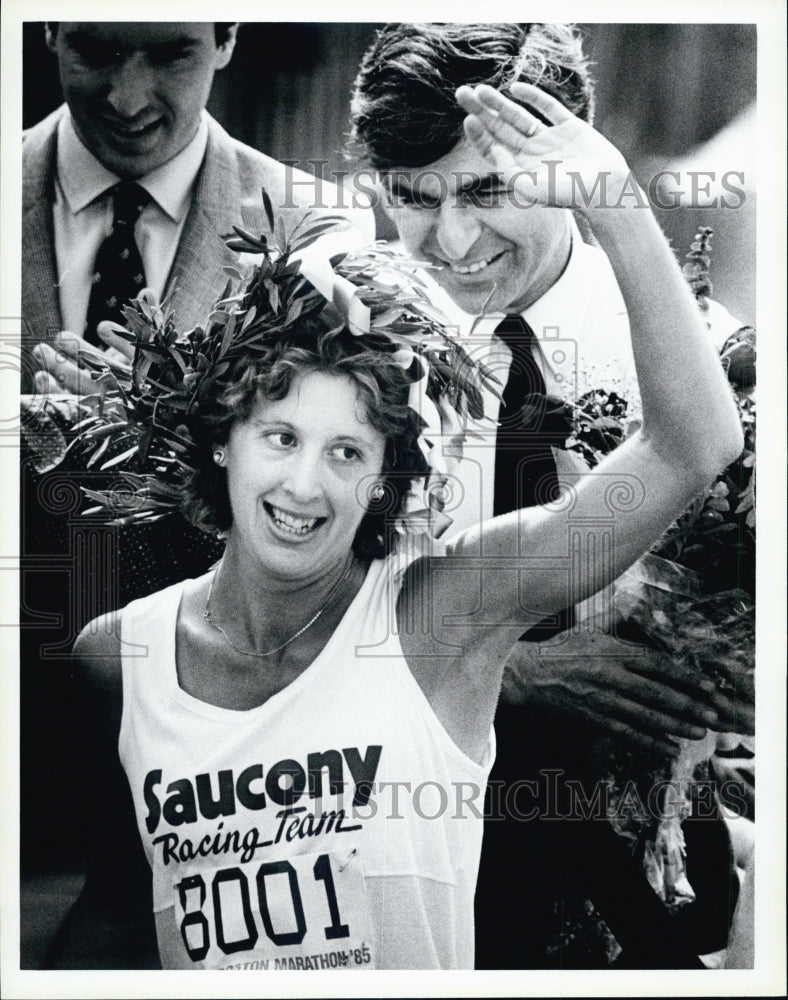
x,y
307,912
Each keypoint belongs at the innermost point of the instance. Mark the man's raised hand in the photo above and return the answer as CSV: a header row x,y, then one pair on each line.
x,y
545,164
637,695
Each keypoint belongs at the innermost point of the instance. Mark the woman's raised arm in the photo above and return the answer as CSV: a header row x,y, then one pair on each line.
x,y
525,566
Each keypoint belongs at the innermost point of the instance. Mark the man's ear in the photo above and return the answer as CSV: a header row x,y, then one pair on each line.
x,y
385,198
50,36
224,52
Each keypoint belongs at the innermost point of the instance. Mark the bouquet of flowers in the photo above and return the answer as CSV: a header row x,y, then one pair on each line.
x,y
707,634
691,598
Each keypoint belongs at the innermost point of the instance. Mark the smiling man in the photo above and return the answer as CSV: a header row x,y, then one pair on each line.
x,y
135,98
132,184
491,244
547,315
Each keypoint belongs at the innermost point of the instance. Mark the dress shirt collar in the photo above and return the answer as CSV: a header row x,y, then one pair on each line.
x,y
83,179
562,305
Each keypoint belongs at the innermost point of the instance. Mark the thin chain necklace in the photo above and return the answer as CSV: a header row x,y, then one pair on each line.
x,y
250,652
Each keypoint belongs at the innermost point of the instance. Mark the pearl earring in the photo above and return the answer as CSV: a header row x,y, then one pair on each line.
x,y
378,492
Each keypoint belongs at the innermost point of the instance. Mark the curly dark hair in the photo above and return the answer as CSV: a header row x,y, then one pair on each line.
x,y
403,109
268,374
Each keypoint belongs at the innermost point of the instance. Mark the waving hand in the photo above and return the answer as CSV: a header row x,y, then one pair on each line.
x,y
547,164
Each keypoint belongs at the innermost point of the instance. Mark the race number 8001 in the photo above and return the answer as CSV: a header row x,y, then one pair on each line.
x,y
277,895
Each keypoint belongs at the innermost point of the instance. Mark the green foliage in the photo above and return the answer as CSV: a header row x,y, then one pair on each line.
x,y
715,536
142,420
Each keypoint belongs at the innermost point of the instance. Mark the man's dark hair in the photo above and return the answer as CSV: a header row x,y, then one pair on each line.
x,y
403,110
221,30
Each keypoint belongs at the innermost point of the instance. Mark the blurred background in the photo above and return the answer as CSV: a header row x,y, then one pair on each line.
x,y
671,97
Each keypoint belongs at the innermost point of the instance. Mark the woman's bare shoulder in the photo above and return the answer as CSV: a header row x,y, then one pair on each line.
x,y
97,654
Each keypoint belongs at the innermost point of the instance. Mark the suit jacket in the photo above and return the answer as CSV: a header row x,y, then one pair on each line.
x,y
227,192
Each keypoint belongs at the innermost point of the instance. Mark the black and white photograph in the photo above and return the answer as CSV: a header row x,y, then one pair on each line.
x,y
379,408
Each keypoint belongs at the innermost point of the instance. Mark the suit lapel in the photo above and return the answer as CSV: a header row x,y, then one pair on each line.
x,y
40,303
197,275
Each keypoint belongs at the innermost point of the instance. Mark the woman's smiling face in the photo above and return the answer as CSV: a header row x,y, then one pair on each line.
x,y
293,474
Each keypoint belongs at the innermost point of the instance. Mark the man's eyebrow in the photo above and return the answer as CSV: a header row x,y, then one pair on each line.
x,y
172,46
397,185
479,183
85,40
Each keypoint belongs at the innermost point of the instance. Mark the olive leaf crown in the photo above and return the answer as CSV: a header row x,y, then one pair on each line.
x,y
140,426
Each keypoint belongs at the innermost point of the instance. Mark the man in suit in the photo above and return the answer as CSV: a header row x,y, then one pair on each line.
x,y
135,111
135,96
527,263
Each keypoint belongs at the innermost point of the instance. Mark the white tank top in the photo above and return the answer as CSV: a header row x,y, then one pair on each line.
x,y
335,826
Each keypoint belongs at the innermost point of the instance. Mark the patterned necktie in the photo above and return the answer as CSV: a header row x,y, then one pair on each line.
x,y
118,274
525,473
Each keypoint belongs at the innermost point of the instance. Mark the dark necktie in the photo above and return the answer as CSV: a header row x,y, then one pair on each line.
x,y
118,274
525,473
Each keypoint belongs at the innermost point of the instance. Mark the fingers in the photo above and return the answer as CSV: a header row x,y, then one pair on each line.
x,y
67,376
106,331
696,710
479,136
641,711
483,97
617,690
627,724
506,121
649,680
116,356
735,715
547,105
643,741
73,346
696,697
667,669
45,385
616,693
515,115
688,694
742,678
493,151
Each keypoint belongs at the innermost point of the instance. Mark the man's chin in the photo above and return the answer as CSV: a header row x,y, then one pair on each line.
x,y
473,300
131,157
130,162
